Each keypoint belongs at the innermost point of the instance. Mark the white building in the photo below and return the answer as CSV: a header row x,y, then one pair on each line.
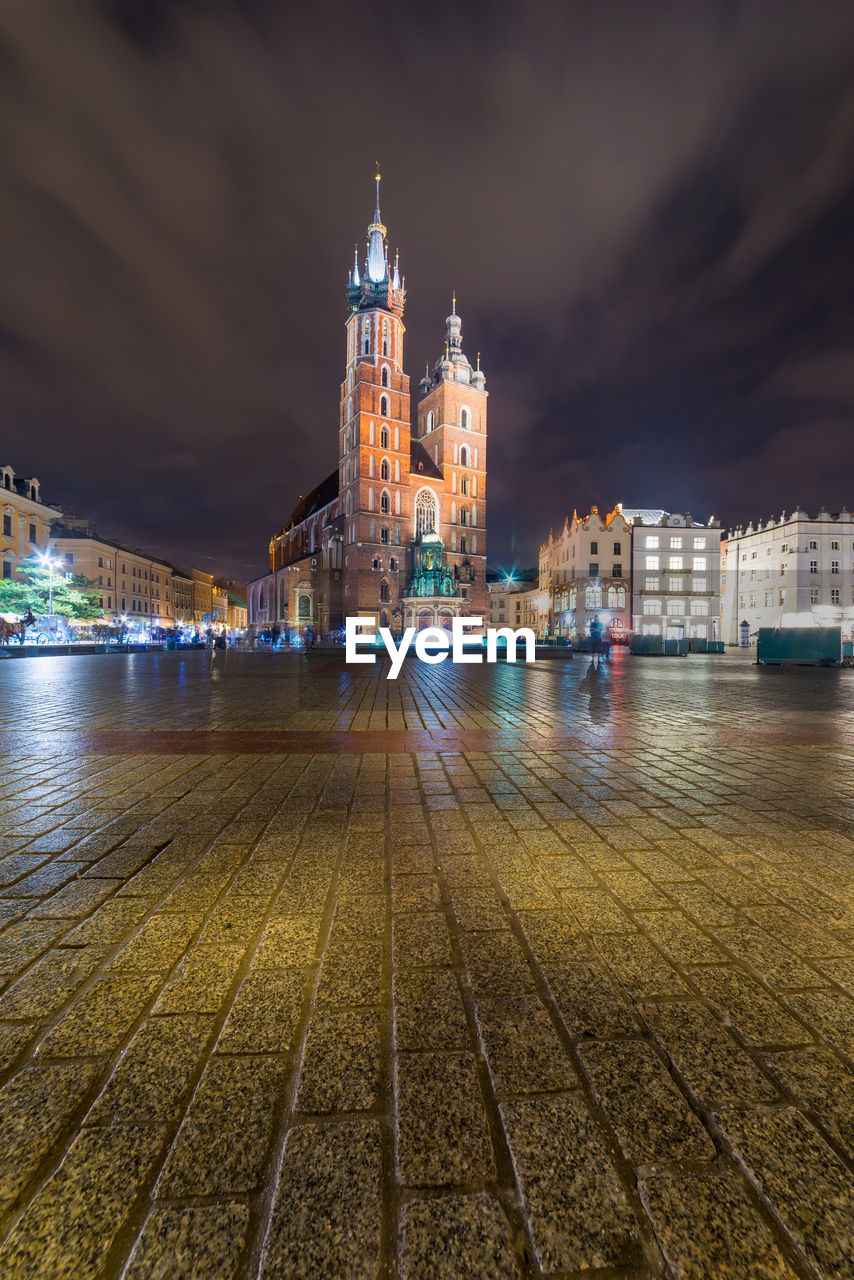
x,y
798,570
676,568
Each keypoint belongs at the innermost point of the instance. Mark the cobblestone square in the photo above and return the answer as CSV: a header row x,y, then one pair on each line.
x,y
487,971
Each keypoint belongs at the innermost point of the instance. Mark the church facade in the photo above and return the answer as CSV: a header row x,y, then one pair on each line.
x,y
397,531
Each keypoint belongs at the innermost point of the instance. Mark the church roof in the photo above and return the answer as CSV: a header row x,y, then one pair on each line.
x,y
419,455
320,496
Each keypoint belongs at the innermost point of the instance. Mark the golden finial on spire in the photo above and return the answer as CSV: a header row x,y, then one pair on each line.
x,y
478,362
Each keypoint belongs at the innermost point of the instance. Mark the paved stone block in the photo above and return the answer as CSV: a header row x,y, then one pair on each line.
x,y
351,973
153,1074
635,962
341,1068
287,941
651,1119
680,938
597,912
326,1214
455,1238
264,1014
429,1012
70,1225
832,1013
707,1228
442,1134
35,1108
98,1021
711,1061
752,1011
49,983
12,1041
201,981
522,1047
589,1003
112,920
820,1083
234,920
159,943
198,1243
421,939
779,966
553,936
497,964
478,908
806,1184
222,1145
579,1213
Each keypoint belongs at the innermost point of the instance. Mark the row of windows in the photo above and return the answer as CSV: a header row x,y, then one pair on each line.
x,y
677,584
595,597
750,599
430,423
812,545
676,608
699,563
675,543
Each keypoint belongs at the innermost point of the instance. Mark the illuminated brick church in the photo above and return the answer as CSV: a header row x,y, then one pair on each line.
x,y
398,530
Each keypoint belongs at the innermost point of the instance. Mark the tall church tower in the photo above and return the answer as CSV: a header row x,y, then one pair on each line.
x,y
451,427
374,434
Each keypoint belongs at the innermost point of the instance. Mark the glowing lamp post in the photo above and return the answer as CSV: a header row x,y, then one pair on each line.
x,y
48,561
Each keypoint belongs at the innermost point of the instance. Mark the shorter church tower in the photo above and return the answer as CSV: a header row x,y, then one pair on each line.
x,y
451,428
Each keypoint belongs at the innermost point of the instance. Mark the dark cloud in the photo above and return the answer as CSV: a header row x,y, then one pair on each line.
x,y
645,211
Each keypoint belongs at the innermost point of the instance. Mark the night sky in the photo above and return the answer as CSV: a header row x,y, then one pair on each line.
x,y
646,210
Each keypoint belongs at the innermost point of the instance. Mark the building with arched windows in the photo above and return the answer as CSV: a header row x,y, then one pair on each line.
x,y
404,473
585,573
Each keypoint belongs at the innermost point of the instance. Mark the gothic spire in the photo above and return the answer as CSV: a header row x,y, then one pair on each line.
x,y
377,268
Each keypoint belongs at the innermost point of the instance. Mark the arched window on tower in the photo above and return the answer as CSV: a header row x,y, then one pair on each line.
x,y
384,437
397,438
348,504
371,466
384,536
372,434
385,502
465,419
366,336
431,421
384,374
397,503
397,470
385,469
385,343
464,484
464,455
383,406
384,592
426,512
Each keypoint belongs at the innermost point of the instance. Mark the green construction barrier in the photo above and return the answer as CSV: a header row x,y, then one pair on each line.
x,y
799,646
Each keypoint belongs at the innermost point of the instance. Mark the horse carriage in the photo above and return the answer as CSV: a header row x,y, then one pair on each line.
x,y
42,630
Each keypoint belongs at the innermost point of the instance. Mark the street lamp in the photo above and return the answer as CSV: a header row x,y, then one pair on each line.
x,y
47,560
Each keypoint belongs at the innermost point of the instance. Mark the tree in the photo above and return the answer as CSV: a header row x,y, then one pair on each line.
x,y
74,597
